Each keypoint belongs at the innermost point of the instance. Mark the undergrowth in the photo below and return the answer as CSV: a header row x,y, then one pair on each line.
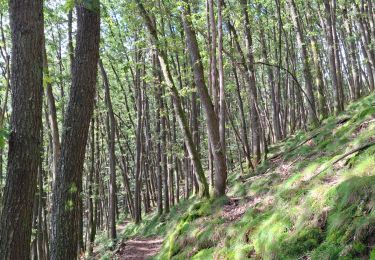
x,y
302,204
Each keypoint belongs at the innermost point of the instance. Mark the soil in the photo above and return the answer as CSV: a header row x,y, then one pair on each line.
x,y
139,248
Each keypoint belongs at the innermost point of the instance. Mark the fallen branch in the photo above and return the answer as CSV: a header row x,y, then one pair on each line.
x,y
359,149
340,121
295,147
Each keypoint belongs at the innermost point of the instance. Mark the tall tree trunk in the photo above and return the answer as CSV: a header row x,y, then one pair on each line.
x,y
211,117
91,203
305,63
164,152
353,57
112,157
158,146
271,82
52,117
255,115
26,23
332,58
65,211
280,62
213,57
221,76
319,81
138,166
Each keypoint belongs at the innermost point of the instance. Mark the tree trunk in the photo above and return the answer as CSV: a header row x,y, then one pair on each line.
x,y
26,23
65,211
91,214
271,82
255,117
52,117
319,81
112,157
332,58
221,77
211,116
139,139
305,63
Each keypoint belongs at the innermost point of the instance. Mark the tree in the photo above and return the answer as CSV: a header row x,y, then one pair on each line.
x,y
66,192
162,56
250,71
211,116
111,125
26,22
305,62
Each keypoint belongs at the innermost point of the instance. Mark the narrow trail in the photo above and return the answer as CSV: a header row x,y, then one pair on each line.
x,y
139,248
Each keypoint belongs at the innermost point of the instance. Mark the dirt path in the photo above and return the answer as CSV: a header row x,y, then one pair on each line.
x,y
139,248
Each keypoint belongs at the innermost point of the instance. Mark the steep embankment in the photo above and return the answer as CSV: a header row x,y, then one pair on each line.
x,y
314,198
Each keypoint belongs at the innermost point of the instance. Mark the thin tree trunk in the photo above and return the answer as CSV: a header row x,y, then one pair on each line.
x,y
211,116
332,58
255,115
221,77
305,63
91,222
112,157
138,173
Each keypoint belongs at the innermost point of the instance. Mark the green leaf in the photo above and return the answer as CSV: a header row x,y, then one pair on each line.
x,y
4,135
69,4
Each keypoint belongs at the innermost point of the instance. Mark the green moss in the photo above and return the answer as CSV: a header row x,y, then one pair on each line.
x,y
372,254
204,254
298,243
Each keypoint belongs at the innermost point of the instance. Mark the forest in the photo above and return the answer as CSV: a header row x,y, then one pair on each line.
x,y
187,129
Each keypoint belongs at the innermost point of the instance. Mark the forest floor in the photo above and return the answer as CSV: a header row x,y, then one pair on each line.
x,y
313,198
139,248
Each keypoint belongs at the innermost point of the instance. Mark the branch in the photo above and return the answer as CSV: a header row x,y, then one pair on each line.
x,y
361,148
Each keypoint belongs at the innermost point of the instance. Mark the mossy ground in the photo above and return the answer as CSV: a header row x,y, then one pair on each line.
x,y
301,204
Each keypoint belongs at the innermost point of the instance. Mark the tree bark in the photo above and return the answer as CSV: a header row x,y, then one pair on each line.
x,y
305,63
211,117
221,76
65,211
138,166
255,117
112,157
26,23
52,117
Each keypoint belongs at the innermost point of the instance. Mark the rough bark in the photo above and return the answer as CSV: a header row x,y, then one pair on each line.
x,y
65,207
26,23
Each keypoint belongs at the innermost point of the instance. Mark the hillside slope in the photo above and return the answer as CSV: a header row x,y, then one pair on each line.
x,y
314,198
